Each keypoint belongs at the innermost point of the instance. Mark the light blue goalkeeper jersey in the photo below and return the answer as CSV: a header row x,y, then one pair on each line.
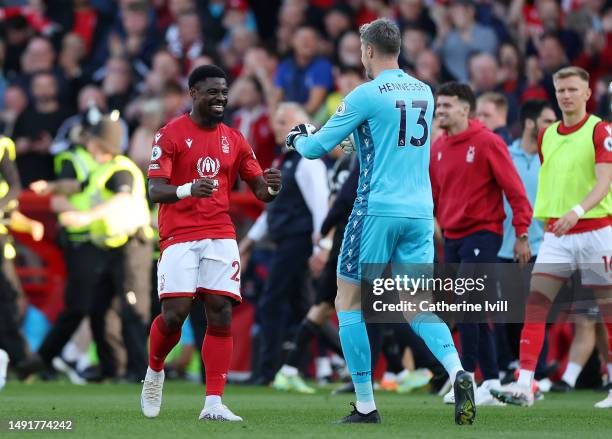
x,y
390,118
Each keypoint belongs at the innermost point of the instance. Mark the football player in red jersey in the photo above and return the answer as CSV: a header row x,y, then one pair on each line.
x,y
194,163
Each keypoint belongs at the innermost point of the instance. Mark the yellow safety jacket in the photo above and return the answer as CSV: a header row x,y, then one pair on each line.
x,y
115,230
83,164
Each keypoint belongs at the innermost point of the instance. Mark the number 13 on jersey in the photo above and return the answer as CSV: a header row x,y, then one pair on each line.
x,y
414,141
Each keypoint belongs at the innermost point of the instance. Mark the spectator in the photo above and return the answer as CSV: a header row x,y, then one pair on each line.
x,y
596,59
338,20
116,82
291,16
549,14
304,78
414,42
262,64
15,102
174,100
151,120
455,44
89,96
492,110
165,68
552,58
413,13
187,44
252,118
240,40
349,51
18,33
36,127
429,69
3,82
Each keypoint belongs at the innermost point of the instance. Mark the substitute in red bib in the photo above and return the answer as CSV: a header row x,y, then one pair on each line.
x,y
194,163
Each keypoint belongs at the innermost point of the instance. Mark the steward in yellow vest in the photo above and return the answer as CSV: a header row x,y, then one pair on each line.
x,y
112,212
11,338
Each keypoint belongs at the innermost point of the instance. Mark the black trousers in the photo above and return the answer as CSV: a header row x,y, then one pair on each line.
x,y
123,273
82,268
283,292
11,337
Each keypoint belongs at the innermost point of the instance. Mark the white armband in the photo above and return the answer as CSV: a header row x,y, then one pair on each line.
x,y
184,191
578,210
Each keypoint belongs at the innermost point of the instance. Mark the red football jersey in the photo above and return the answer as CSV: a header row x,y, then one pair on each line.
x,y
184,152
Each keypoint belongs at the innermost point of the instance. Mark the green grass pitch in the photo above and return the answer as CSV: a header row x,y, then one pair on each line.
x,y
113,411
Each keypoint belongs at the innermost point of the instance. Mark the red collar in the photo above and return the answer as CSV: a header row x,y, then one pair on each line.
x,y
564,131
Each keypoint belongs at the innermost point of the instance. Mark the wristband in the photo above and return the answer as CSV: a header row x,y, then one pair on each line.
x,y
184,191
326,244
273,192
578,210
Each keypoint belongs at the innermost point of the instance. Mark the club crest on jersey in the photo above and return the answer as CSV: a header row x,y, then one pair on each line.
x,y
188,142
469,158
157,137
225,145
208,167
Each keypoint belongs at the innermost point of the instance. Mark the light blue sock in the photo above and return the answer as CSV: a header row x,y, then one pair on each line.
x,y
356,349
437,337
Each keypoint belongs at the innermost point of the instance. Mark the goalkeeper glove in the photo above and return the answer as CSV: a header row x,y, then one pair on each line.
x,y
348,144
303,129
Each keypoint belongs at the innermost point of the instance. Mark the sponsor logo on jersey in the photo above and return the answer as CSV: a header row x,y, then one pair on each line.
x,y
154,166
156,153
469,158
188,142
225,145
208,167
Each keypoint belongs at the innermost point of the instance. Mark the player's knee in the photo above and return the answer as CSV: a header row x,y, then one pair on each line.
x,y
218,310
174,318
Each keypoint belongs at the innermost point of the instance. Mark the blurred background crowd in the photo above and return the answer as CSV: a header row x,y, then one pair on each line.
x,y
59,58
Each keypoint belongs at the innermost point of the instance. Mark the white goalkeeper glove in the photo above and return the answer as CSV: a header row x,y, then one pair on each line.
x,y
348,144
303,129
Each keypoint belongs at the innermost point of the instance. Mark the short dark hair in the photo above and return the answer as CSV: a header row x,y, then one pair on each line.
x,y
383,34
462,91
532,109
202,73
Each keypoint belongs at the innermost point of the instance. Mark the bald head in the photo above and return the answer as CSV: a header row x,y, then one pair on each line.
x,y
288,114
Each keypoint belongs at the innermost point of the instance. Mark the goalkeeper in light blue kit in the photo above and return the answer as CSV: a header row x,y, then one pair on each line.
x,y
392,218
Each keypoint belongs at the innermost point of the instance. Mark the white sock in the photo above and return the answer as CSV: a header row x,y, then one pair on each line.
x,y
610,372
403,375
212,400
525,378
289,370
452,365
153,374
572,371
365,407
491,384
390,376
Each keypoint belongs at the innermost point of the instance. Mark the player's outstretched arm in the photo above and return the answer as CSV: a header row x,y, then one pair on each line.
x,y
162,192
266,189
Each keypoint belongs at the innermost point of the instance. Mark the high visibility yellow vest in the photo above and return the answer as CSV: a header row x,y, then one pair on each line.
x,y
83,164
7,147
114,231
568,173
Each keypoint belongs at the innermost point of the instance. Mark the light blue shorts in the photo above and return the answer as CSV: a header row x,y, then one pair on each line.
x,y
382,240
